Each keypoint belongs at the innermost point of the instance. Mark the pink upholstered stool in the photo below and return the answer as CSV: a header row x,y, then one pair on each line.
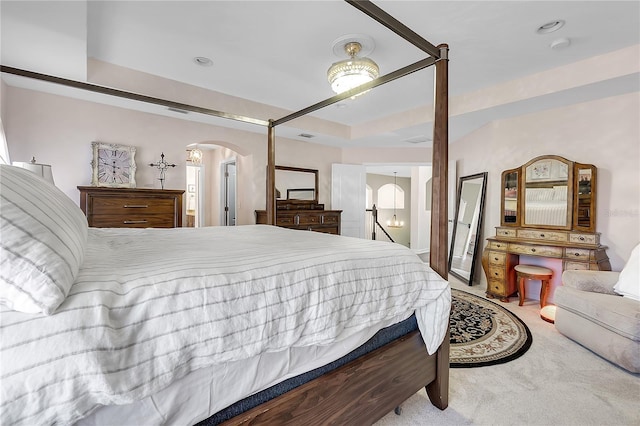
x,y
530,272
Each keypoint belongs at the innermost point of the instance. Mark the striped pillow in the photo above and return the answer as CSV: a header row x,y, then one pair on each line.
x,y
43,236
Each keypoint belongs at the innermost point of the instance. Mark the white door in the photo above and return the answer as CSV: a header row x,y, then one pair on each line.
x,y
348,193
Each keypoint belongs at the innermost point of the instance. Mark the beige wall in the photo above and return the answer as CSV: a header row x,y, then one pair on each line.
x,y
605,133
58,130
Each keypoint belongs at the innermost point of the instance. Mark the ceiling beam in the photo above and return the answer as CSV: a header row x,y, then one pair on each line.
x,y
416,66
129,95
396,26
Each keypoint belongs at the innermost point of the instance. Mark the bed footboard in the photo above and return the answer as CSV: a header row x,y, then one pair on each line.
x,y
362,391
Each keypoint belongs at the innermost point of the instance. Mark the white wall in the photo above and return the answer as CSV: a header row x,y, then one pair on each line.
x,y
603,132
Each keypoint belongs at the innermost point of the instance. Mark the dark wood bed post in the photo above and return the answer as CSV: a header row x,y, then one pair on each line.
x,y
440,159
271,174
438,390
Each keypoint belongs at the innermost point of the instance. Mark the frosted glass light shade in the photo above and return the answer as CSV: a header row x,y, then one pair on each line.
x,y
42,170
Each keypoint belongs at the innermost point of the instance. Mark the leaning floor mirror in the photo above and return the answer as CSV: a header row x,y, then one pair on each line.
x,y
467,225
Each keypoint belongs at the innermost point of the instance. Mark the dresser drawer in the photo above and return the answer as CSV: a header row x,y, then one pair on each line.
x,y
330,218
536,250
584,238
131,221
535,234
496,272
569,265
578,254
496,258
128,205
498,245
506,232
496,286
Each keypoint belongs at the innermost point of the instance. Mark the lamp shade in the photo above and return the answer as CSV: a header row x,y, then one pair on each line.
x,y
42,170
352,72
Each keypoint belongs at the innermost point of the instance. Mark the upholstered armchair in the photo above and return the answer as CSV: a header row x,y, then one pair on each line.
x,y
592,311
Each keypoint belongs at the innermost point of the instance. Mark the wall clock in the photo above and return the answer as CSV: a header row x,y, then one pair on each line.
x,y
113,165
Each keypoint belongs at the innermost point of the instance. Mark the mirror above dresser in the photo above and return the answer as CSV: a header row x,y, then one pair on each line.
x,y
547,209
549,192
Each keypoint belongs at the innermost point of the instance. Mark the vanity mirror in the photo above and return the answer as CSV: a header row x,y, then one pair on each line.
x,y
467,226
549,192
295,183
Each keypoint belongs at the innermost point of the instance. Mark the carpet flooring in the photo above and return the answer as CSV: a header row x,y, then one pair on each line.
x,y
557,382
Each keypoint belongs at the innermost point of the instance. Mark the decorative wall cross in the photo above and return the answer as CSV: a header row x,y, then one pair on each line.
x,y
162,166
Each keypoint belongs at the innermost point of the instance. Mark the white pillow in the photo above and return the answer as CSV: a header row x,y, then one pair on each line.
x,y
43,236
628,283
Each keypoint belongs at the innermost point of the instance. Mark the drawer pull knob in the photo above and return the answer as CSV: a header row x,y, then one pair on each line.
x,y
533,250
582,238
135,206
495,258
541,235
495,273
130,222
577,254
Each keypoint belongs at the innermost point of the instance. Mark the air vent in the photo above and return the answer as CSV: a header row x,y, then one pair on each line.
x,y
306,135
418,139
179,111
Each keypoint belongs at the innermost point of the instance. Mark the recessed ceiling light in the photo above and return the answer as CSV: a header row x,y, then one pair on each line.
x,y
550,27
203,61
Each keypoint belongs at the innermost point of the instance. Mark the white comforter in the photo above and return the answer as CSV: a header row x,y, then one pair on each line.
x,y
150,306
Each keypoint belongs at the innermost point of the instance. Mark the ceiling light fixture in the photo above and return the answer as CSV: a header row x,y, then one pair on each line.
x,y
550,27
353,72
195,156
394,222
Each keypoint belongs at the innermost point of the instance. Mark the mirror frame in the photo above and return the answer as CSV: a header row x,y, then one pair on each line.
x,y
302,170
476,251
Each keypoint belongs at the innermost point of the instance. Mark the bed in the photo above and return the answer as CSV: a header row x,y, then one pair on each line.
x,y
47,293
97,317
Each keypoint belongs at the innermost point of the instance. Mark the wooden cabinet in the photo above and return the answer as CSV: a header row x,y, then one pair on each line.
x,y
578,250
305,216
131,208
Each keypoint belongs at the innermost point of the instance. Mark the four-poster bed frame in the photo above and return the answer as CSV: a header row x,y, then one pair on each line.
x,y
367,388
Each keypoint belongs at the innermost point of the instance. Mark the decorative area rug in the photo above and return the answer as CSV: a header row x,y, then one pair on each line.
x,y
484,333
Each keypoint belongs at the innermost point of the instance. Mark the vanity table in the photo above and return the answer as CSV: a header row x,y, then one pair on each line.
x,y
548,209
297,204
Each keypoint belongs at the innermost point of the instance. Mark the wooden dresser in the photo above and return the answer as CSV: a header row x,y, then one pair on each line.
x,y
548,209
578,250
131,207
305,216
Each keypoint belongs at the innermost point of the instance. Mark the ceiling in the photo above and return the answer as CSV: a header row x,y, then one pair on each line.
x,y
277,53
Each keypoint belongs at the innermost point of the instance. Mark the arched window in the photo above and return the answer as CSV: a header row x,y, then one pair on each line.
x,y
387,194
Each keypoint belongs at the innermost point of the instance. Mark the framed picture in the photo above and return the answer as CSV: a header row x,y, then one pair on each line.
x,y
113,165
191,188
541,170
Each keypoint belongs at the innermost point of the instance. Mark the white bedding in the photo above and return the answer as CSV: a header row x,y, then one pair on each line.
x,y
150,306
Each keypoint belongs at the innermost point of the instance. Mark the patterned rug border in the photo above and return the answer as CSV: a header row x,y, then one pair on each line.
x,y
510,357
